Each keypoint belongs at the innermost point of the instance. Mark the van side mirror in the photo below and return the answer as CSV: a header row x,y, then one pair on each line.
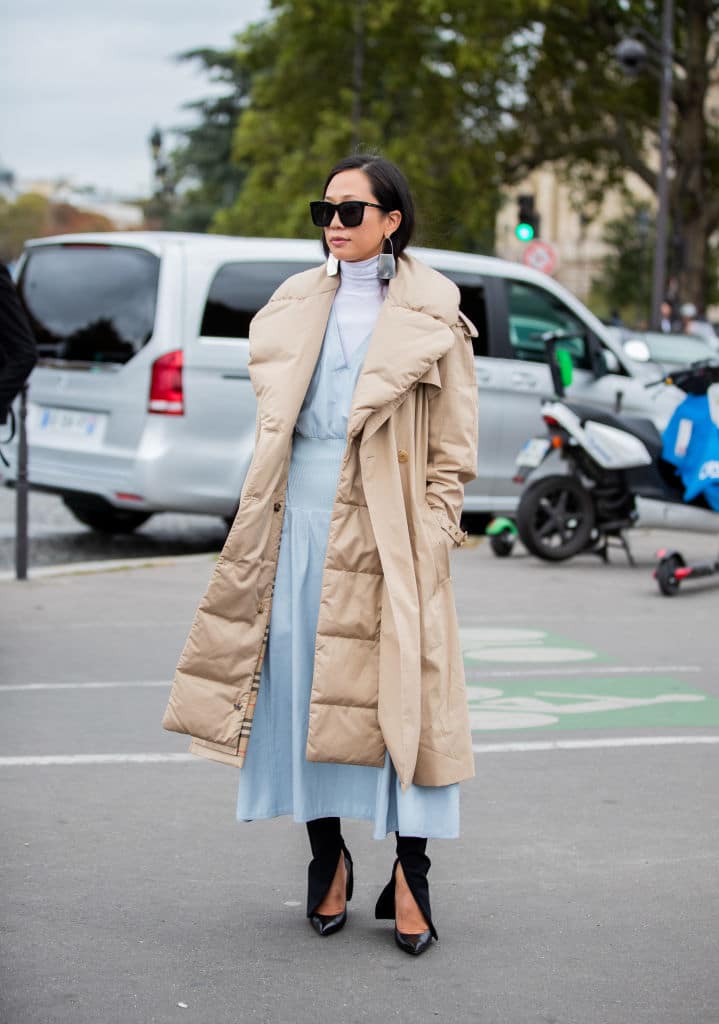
x,y
638,350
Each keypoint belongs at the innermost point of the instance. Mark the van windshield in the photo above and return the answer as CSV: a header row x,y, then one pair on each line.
x,y
90,304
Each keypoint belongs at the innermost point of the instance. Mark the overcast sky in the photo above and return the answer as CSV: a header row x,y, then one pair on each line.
x,y
83,82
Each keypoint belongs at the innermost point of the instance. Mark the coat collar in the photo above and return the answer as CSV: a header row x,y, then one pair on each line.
x,y
413,331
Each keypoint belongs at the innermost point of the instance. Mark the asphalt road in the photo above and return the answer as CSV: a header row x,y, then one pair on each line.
x,y
583,889
56,537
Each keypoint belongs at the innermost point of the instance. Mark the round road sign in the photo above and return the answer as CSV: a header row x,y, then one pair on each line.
x,y
541,256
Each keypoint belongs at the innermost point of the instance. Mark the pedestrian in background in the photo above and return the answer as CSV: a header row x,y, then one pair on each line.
x,y
18,352
666,323
687,312
325,653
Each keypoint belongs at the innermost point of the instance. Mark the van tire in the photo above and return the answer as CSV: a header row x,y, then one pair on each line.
x,y
103,517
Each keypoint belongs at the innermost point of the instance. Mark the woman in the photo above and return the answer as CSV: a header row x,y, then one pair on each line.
x,y
324,655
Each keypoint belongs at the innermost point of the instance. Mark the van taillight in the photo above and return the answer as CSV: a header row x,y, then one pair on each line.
x,y
166,394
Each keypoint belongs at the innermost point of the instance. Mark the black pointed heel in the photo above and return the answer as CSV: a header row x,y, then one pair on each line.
x,y
328,846
415,865
328,924
413,944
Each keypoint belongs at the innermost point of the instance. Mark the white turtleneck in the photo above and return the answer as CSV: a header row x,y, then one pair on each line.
x,y
357,302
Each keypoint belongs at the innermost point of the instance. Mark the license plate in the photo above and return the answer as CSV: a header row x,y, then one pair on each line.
x,y
65,428
532,453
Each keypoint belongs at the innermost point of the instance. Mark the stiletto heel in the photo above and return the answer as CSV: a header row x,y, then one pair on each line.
x,y
415,865
327,847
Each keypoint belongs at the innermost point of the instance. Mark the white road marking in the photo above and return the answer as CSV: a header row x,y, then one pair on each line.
x,y
528,653
72,760
44,760
593,744
490,709
85,686
594,670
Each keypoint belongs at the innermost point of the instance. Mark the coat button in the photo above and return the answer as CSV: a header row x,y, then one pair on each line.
x,y
260,608
278,506
402,455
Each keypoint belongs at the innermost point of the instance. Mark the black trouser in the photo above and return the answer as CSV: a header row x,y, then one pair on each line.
x,y
326,834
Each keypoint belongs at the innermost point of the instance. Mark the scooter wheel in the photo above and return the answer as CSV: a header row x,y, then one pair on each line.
x,y
502,544
667,581
555,518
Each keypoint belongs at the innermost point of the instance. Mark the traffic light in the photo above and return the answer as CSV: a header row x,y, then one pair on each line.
x,y
527,219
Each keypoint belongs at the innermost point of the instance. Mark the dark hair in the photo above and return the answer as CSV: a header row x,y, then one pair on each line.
x,y
390,189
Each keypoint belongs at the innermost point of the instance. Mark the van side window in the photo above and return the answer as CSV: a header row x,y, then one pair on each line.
x,y
532,312
238,291
473,304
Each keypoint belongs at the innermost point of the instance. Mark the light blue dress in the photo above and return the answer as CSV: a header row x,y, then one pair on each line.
x,y
277,778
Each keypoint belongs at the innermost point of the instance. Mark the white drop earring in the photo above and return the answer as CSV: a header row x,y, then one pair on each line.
x,y
387,264
333,265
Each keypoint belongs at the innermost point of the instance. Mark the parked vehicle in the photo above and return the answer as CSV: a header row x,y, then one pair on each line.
x,y
666,351
594,474
142,401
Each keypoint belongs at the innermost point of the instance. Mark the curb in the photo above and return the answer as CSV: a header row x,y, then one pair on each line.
x,y
110,565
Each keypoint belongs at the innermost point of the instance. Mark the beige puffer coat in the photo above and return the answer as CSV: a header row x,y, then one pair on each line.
x,y
388,671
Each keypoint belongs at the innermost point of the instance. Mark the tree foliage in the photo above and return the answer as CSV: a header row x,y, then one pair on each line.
x,y
404,77
624,284
466,97
34,216
202,161
579,109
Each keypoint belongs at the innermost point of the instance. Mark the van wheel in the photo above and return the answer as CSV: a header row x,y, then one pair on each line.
x,y
100,515
555,518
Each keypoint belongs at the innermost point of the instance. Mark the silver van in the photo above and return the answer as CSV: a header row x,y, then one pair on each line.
x,y
141,401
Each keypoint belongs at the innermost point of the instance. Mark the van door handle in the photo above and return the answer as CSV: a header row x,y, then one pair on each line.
x,y
483,377
523,380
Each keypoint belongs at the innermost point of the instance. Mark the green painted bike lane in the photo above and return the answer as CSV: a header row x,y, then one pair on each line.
x,y
527,679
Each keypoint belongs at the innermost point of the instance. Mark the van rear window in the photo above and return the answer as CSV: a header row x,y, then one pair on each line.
x,y
90,303
238,291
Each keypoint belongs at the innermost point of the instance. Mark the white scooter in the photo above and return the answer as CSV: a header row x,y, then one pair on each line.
x,y
596,474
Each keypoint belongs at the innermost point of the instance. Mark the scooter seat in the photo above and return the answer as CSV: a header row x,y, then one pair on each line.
x,y
640,426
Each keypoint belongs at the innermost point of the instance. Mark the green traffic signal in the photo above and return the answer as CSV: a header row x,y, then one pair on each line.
x,y
524,232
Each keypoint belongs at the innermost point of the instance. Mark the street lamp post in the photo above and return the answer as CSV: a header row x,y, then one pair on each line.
x,y
660,250
632,55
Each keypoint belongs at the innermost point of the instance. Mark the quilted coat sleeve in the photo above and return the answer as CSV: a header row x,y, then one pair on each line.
x,y
452,447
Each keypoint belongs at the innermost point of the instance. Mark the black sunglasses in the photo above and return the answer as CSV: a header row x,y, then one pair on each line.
x,y
350,212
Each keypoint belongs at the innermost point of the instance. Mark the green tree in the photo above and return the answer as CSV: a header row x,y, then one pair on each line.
x,y
579,110
202,167
404,77
33,216
625,281
27,217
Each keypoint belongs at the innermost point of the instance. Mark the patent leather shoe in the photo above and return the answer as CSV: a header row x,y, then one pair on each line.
x,y
328,924
415,945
